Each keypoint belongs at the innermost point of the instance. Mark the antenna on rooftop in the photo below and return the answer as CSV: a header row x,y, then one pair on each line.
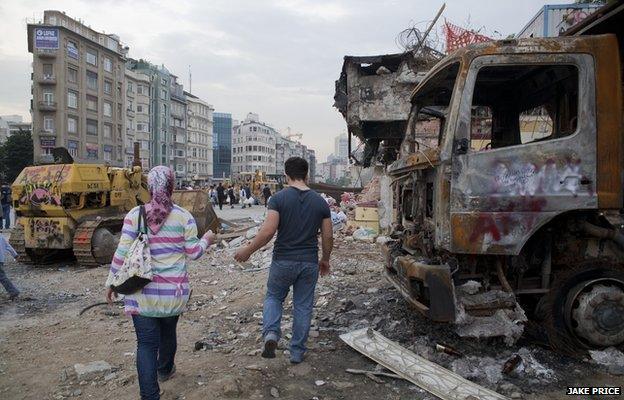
x,y
190,80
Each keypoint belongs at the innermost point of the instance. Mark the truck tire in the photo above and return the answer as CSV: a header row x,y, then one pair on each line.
x,y
585,308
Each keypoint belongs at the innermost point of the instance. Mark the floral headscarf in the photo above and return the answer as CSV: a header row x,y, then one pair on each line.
x,y
160,181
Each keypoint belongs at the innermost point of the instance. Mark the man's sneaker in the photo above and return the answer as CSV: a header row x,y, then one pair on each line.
x,y
270,344
294,359
166,377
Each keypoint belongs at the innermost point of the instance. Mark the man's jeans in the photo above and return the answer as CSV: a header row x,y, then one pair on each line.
x,y
156,348
6,215
8,285
302,276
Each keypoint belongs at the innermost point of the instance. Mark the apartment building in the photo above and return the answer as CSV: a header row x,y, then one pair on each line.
x,y
222,145
137,118
286,148
177,131
253,146
12,124
200,140
77,89
160,142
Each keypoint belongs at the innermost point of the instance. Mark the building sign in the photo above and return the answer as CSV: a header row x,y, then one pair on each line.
x,y
46,38
92,151
47,142
72,51
72,144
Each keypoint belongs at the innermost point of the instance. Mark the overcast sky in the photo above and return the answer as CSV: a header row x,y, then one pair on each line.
x,y
278,58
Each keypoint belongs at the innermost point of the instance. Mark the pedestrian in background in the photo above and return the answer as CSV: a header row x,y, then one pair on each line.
x,y
5,247
266,193
231,195
172,238
220,195
297,213
243,197
5,200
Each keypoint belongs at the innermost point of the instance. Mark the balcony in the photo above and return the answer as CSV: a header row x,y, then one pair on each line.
x,y
46,132
46,105
46,53
130,112
46,80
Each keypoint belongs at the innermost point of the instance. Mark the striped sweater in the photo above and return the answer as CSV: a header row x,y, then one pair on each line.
x,y
176,241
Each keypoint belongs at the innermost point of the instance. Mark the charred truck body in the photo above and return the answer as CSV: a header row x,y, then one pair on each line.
x,y
522,188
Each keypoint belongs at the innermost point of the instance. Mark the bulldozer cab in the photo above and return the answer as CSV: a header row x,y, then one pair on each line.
x,y
507,136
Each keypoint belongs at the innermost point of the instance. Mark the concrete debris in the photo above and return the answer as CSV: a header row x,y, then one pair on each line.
x,y
489,314
382,239
611,358
470,287
92,370
275,393
319,382
229,386
530,367
365,235
473,367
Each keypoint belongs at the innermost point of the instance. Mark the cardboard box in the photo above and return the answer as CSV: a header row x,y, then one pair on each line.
x,y
366,214
365,224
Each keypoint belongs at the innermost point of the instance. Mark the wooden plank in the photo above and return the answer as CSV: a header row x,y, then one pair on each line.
x,y
430,376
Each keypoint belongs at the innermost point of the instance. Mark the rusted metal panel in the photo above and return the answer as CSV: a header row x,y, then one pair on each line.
x,y
501,196
610,137
440,303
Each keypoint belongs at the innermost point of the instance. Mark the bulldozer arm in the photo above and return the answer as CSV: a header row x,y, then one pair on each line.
x,y
197,202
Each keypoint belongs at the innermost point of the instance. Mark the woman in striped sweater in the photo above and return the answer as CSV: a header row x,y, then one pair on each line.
x,y
172,238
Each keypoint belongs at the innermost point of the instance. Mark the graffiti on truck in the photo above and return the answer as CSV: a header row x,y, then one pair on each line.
x,y
529,179
40,185
40,194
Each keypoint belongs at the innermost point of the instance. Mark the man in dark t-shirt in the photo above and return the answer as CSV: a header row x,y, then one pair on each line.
x,y
297,213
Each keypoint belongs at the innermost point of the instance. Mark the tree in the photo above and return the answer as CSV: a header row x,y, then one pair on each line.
x,y
15,154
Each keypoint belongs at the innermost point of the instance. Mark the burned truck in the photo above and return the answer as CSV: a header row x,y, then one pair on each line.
x,y
521,190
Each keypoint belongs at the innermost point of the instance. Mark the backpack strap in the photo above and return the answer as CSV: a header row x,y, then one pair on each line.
x,y
142,221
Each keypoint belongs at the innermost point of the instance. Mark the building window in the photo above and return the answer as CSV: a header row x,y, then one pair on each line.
x,y
139,127
72,75
141,89
119,153
72,147
72,125
107,155
92,103
139,108
108,64
108,109
48,72
72,99
91,57
108,87
48,124
48,97
92,80
107,131
130,87
92,127
163,94
130,104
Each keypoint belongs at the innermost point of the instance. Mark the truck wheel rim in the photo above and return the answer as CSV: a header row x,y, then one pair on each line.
x,y
594,312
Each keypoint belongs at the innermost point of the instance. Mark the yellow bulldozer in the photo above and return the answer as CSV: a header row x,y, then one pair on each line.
x,y
66,211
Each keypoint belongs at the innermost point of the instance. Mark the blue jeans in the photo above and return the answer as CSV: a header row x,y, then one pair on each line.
x,y
8,285
156,348
302,276
6,215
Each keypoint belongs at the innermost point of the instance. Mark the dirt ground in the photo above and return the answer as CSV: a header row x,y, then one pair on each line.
x,y
42,338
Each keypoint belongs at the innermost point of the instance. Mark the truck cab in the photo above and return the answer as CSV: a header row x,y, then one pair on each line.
x,y
523,189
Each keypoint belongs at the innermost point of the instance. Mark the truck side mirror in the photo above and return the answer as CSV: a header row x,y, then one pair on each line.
x,y
461,146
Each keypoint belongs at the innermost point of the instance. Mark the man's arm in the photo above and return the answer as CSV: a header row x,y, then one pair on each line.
x,y
264,236
327,243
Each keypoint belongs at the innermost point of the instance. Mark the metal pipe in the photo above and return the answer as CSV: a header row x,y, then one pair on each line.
x,y
501,276
547,264
603,233
136,162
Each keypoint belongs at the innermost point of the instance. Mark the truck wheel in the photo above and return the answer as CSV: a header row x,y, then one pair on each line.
x,y
586,309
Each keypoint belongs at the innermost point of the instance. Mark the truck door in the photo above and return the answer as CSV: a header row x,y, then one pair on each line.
x,y
524,150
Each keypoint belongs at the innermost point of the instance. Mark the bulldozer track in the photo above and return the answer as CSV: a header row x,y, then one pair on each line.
x,y
83,240
16,240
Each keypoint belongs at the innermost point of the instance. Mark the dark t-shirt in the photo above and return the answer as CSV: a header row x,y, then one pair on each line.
x,y
5,195
301,213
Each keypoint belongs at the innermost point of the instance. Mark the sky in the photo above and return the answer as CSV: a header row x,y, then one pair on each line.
x,y
277,58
